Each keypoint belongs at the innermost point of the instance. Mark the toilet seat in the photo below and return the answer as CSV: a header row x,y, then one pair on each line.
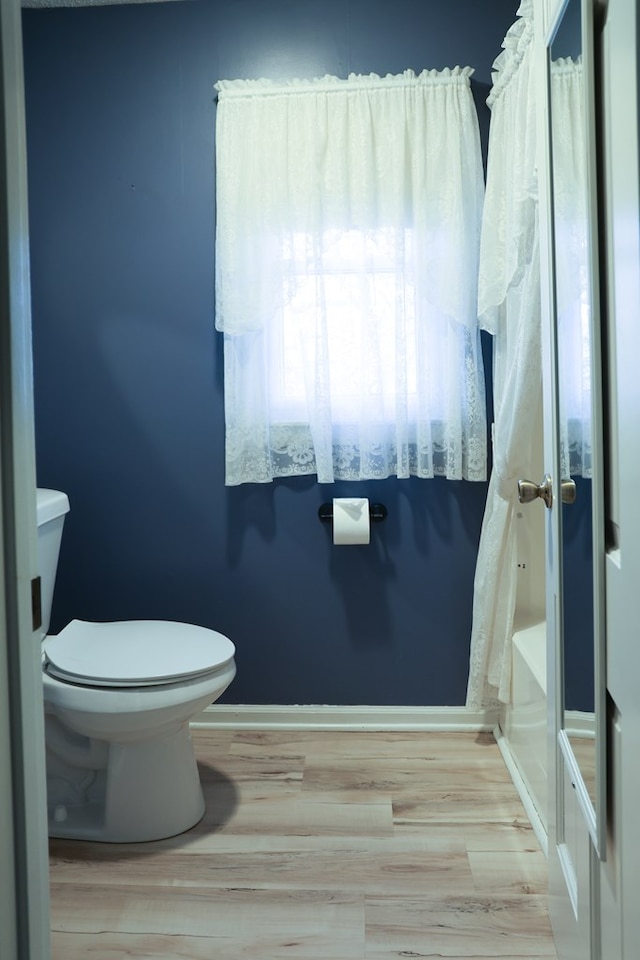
x,y
134,653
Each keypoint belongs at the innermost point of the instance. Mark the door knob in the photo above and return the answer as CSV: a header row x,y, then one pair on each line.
x,y
568,491
528,490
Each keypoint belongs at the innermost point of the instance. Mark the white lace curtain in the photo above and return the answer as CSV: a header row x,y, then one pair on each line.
x,y
348,225
509,307
572,282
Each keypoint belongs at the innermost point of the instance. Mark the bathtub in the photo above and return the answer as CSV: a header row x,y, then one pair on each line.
x,y
524,720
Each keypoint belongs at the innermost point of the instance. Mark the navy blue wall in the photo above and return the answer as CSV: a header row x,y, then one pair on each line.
x,y
577,595
128,373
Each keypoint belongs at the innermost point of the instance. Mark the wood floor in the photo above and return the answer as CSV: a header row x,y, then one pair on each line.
x,y
320,846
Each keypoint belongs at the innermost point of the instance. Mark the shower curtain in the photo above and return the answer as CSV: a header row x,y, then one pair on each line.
x,y
509,309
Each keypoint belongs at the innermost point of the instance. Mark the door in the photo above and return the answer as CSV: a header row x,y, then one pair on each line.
x,y
24,903
573,449
594,902
619,878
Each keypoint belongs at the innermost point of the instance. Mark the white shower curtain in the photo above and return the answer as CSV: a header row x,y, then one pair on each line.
x,y
509,308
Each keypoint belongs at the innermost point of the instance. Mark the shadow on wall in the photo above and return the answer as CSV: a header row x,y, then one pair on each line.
x,y
365,581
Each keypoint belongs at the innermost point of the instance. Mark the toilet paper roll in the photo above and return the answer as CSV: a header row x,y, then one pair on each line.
x,y
350,520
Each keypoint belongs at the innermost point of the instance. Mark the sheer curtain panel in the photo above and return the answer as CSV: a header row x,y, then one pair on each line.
x,y
347,240
509,308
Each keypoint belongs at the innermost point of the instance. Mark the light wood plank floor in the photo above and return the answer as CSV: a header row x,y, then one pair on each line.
x,y
320,846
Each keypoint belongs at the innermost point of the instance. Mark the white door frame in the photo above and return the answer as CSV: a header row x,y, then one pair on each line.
x,y
24,881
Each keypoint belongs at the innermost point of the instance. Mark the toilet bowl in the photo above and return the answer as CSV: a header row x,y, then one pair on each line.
x,y
118,699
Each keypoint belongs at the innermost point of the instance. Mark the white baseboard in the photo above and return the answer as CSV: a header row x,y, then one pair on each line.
x,y
321,717
578,724
523,792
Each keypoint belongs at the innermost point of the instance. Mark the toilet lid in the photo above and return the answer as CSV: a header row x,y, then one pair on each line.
x,y
135,652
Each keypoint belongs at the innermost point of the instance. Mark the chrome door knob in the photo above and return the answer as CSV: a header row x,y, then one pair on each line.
x,y
568,492
528,490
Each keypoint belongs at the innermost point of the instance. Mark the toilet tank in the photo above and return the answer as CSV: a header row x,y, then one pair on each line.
x,y
52,505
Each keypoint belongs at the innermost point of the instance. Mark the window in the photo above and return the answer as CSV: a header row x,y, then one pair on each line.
x,y
364,348
346,263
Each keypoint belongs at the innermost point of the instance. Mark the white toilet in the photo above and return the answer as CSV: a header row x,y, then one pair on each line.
x,y
118,698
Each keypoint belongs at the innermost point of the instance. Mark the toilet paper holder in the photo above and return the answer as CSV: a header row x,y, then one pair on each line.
x,y
377,512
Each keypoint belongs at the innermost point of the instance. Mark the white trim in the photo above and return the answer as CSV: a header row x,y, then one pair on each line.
x,y
570,877
49,4
322,717
523,792
579,724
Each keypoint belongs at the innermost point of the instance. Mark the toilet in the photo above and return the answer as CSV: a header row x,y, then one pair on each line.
x,y
118,698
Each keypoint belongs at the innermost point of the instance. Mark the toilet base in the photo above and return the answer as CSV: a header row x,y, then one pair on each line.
x,y
145,791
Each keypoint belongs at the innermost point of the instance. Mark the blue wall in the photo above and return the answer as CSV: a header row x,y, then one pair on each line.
x,y
128,367
577,595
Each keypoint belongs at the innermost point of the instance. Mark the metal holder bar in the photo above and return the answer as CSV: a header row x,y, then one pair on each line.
x,y
377,512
